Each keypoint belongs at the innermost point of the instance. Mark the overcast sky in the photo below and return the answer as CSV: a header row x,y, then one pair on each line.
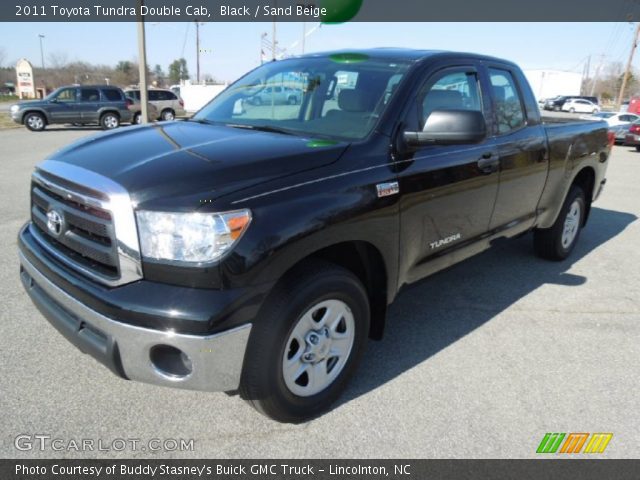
x,y
234,48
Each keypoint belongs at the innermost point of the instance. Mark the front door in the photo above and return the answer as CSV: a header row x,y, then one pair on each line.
x,y
448,191
62,108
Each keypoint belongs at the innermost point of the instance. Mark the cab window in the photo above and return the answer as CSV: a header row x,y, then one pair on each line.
x,y
451,91
507,102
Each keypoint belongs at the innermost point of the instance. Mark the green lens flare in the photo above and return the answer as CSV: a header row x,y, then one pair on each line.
x,y
340,11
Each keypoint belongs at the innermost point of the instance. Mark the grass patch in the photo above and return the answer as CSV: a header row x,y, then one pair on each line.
x,y
6,122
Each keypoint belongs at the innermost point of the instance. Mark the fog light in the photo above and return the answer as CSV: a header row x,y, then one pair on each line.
x,y
170,361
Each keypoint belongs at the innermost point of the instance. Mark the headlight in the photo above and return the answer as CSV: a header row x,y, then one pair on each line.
x,y
14,108
190,237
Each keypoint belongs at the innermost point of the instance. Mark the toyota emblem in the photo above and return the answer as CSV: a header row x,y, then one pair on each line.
x,y
54,222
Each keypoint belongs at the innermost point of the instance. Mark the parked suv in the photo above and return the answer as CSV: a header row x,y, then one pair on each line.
x,y
86,104
168,103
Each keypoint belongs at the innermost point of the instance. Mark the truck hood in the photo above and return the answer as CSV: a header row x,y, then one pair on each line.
x,y
160,163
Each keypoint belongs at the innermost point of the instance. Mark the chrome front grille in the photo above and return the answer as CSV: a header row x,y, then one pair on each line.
x,y
85,221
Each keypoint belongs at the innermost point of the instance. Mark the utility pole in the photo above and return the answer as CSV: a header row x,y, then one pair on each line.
x,y
595,76
41,50
197,51
142,66
585,75
273,42
625,79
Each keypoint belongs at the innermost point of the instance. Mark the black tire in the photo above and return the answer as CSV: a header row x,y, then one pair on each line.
x,y
263,382
572,110
35,121
168,115
549,243
637,148
137,117
109,121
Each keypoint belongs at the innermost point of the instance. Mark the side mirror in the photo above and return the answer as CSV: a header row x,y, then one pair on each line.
x,y
449,127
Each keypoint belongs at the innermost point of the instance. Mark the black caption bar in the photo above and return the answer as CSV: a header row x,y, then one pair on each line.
x,y
318,469
319,10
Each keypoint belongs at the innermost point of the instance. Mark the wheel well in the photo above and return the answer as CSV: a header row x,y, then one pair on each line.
x,y
109,111
365,262
168,109
586,180
24,115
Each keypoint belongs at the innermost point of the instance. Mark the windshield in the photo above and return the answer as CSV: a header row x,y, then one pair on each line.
x,y
340,96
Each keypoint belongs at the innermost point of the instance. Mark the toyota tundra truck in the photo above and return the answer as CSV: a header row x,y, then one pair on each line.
x,y
254,248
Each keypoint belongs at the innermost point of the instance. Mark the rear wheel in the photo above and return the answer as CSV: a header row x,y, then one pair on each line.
x,y
109,121
35,121
168,115
572,110
557,242
637,148
307,343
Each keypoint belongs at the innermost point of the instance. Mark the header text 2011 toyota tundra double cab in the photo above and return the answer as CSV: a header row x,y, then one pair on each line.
x,y
256,246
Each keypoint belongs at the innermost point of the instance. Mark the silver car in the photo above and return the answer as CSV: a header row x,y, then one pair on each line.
x,y
168,103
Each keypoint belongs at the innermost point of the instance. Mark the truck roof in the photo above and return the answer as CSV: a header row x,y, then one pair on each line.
x,y
406,54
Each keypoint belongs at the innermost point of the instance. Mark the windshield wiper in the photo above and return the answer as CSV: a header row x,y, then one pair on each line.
x,y
261,128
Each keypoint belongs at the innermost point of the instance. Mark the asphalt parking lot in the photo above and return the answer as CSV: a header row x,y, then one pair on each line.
x,y
479,361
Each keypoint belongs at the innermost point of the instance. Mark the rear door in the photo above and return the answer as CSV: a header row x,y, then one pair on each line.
x,y
521,143
89,104
448,191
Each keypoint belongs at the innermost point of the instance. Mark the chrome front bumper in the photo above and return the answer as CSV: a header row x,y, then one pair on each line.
x,y
214,362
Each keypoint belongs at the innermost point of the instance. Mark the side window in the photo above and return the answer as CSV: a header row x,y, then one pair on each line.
x,y
508,105
154,95
451,91
112,95
67,95
89,95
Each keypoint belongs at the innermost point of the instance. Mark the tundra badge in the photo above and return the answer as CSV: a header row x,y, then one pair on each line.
x,y
444,241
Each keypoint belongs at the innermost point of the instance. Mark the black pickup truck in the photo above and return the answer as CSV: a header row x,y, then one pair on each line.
x,y
255,248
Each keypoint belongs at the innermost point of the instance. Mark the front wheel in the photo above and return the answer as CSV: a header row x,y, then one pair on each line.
x,y
35,122
557,242
637,148
307,343
109,121
572,110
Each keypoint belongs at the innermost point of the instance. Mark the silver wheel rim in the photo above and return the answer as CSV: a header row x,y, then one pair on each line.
x,y
318,348
110,121
35,122
168,116
571,224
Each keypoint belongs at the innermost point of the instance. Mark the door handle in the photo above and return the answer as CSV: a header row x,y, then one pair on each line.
x,y
488,163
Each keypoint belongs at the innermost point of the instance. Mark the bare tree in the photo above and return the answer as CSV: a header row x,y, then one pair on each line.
x,y
3,56
58,59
